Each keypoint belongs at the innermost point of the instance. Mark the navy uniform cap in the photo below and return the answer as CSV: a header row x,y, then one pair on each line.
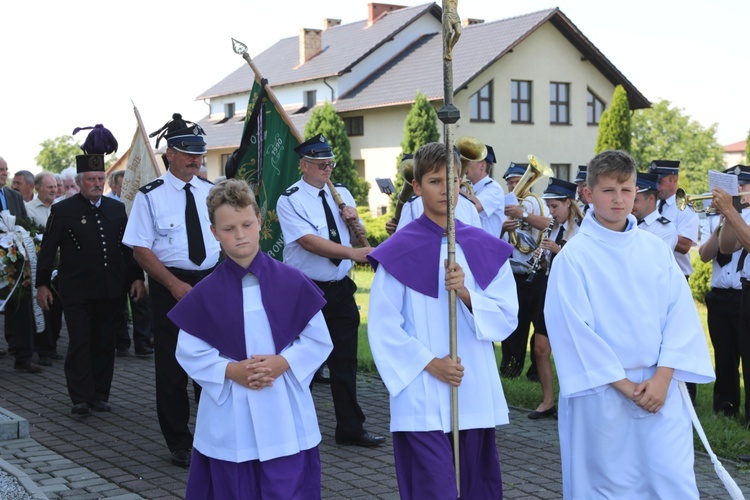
x,y
741,171
664,167
181,135
315,147
581,175
515,170
645,181
490,154
559,189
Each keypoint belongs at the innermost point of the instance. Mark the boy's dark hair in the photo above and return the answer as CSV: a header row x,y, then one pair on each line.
x,y
233,192
432,157
610,163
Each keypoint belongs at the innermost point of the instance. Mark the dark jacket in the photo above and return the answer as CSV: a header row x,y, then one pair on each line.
x,y
94,264
16,206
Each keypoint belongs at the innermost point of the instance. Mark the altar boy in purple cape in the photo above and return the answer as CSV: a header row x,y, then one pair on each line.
x,y
252,335
410,342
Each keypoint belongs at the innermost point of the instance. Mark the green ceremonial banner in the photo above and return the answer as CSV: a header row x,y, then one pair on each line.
x,y
268,163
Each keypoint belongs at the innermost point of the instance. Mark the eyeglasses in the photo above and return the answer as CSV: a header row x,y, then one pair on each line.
x,y
323,165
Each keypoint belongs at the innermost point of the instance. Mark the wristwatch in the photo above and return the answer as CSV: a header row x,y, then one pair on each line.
x,y
525,215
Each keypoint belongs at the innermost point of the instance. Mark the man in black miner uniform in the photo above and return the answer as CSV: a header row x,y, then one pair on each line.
x,y
170,234
317,242
96,271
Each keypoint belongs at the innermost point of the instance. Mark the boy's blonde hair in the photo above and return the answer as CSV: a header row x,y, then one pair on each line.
x,y
610,163
233,192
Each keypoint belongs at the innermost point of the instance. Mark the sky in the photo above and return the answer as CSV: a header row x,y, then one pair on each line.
x,y
82,62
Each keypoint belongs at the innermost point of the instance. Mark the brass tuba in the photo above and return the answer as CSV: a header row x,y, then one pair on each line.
x,y
534,172
470,149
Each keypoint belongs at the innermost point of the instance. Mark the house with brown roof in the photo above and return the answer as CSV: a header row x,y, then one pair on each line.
x,y
531,84
734,154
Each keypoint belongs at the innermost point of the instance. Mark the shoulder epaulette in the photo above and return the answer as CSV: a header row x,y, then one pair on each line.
x,y
663,220
151,186
412,198
340,185
290,191
205,180
464,195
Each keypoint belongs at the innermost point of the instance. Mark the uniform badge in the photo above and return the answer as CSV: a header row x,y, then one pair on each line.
x,y
333,233
83,220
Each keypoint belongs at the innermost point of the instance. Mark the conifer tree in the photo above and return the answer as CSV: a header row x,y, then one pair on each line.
x,y
325,120
615,124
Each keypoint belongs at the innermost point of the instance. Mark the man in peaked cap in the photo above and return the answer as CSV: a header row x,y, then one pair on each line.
x,y
526,219
724,307
584,197
318,243
96,271
489,197
170,234
644,209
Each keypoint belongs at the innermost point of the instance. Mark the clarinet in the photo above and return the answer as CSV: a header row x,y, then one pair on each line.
x,y
537,262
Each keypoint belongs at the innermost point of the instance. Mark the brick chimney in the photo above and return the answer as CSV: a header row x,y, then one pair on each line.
x,y
469,21
330,23
376,10
310,43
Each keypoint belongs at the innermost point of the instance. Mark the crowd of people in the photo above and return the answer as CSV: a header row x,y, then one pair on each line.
x,y
612,305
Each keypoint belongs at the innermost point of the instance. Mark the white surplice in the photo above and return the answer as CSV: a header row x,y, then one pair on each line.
x,y
407,329
237,424
618,306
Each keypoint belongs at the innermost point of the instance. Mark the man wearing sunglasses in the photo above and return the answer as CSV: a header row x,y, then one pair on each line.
x,y
317,241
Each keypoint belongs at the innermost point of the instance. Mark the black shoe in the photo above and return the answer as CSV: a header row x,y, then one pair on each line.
x,y
45,361
144,351
56,356
28,366
548,413
81,409
101,406
365,439
532,377
122,353
181,458
743,458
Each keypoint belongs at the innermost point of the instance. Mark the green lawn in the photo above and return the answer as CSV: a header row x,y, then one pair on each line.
x,y
728,437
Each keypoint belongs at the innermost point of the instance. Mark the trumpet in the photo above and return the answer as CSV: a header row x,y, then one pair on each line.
x,y
683,200
539,256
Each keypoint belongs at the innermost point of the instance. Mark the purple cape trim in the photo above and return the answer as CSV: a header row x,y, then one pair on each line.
x,y
411,253
213,311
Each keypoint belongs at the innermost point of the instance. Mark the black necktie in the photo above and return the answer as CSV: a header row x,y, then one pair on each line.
x,y
196,246
661,205
559,237
641,221
723,259
585,208
741,262
333,233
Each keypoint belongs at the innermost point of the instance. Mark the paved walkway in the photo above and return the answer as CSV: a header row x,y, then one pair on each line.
x,y
122,454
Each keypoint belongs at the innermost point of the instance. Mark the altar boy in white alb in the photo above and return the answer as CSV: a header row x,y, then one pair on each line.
x,y
624,330
410,343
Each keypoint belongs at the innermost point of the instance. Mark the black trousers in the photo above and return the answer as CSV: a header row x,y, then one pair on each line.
x,y
172,401
723,305
20,328
141,313
342,318
529,308
90,361
745,344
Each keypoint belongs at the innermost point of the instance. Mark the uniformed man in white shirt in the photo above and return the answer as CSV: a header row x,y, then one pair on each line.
x,y
584,197
317,241
488,197
170,234
644,209
734,236
527,221
686,221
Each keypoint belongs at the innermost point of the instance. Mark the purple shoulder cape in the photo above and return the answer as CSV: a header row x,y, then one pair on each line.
x,y
411,253
213,312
